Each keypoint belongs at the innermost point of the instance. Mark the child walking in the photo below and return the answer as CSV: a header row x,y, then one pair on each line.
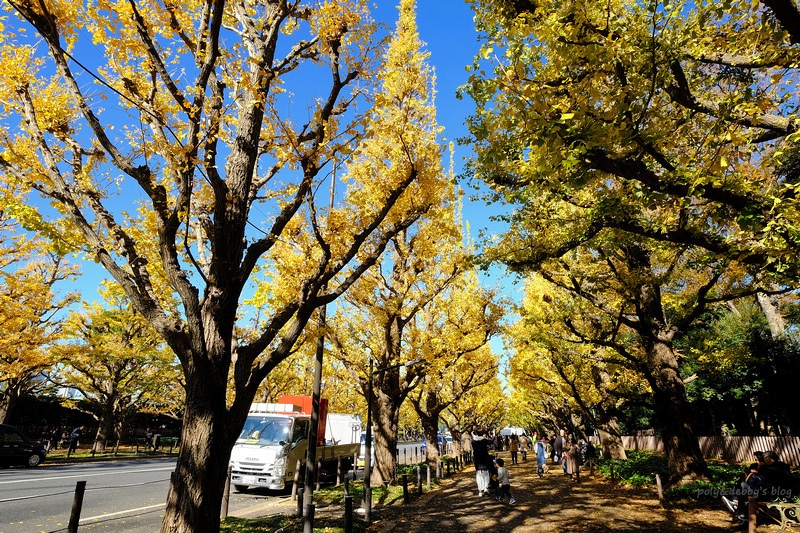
x,y
503,481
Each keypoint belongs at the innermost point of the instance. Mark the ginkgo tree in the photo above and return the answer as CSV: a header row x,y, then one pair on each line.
x,y
378,315
453,333
686,107
444,391
224,120
664,122
481,407
382,319
551,361
30,273
636,298
118,366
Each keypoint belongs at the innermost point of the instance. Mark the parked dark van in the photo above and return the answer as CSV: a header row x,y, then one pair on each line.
x,y
16,448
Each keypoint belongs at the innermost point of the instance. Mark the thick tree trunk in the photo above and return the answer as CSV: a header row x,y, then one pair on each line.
x,y
430,426
777,327
207,437
610,437
385,424
673,412
460,440
105,426
8,400
604,416
121,422
428,410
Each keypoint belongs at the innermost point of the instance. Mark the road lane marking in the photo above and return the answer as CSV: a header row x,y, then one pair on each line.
x,y
36,496
89,489
52,478
109,515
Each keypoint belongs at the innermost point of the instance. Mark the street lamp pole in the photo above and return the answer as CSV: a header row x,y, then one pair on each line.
x,y
368,443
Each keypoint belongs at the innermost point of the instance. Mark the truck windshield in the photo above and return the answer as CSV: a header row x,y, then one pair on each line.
x,y
266,430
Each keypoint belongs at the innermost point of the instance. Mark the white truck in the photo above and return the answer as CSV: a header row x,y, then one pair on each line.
x,y
275,436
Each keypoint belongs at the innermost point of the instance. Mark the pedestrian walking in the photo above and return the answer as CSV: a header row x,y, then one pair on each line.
x,y
571,457
513,447
541,456
558,451
55,437
498,443
482,460
74,437
524,442
504,482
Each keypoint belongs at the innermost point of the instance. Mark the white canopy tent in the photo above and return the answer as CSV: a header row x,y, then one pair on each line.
x,y
509,430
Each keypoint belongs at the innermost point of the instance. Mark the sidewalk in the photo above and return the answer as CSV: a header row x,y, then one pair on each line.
x,y
553,504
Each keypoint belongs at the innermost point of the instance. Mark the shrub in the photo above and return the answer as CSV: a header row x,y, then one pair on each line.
x,y
641,467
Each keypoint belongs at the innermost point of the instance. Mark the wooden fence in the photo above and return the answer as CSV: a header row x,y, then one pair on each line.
x,y
733,449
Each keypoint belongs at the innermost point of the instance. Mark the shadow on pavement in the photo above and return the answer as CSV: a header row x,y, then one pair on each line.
x,y
552,504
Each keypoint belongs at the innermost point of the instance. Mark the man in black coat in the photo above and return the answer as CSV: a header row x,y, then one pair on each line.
x,y
777,477
558,451
74,437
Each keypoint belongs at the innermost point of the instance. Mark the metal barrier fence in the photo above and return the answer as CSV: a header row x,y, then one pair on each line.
x,y
416,454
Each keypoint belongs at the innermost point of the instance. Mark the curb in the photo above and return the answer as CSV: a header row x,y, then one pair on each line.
x,y
108,459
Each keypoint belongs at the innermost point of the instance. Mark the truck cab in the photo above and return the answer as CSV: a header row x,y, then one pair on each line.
x,y
275,437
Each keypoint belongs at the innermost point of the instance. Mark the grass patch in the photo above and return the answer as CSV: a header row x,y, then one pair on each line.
x,y
87,454
287,524
723,477
641,467
411,471
385,495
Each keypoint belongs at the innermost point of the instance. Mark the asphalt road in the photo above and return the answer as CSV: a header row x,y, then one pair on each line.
x,y
120,496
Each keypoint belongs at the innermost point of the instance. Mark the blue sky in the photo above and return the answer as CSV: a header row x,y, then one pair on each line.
x,y
447,29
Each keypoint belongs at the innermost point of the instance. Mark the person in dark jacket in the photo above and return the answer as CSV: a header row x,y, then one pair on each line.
x,y
766,483
55,438
751,486
74,437
558,451
777,477
482,460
